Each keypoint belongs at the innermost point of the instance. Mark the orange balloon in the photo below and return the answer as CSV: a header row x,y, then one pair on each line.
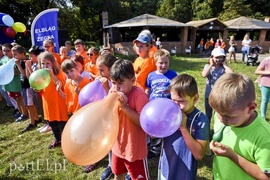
x,y
91,132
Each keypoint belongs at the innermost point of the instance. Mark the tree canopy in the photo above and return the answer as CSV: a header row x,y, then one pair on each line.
x,y
82,18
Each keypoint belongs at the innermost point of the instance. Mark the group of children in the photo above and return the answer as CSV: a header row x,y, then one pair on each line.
x,y
243,153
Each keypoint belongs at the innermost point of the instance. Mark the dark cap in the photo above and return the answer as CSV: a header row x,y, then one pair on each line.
x,y
35,50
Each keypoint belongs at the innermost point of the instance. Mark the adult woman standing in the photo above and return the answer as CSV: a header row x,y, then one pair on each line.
x,y
245,47
232,49
264,82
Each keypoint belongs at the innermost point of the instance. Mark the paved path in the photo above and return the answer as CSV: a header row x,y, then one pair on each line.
x,y
261,56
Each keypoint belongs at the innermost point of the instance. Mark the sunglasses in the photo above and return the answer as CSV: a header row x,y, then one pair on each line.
x,y
89,54
6,50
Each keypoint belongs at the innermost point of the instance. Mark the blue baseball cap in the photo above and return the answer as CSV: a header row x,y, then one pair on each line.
x,y
143,39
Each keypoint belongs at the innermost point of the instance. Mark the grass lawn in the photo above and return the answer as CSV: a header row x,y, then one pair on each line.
x,y
26,156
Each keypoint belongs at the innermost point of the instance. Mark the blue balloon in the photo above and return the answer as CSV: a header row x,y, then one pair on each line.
x,y
8,20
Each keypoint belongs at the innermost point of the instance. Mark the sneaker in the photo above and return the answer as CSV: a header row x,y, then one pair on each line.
x,y
16,115
39,129
106,174
29,127
21,118
38,121
46,129
15,111
54,144
89,168
127,177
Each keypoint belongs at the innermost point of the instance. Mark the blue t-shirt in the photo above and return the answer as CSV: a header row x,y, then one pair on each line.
x,y
212,77
159,84
177,161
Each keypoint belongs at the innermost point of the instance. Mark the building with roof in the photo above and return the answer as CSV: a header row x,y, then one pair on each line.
x,y
173,34
176,36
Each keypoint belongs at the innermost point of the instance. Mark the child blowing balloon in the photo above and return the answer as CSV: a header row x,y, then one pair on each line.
x,y
54,105
244,150
129,153
182,150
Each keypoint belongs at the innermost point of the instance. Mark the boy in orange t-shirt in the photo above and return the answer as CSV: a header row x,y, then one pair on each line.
x,y
129,153
80,50
143,64
73,86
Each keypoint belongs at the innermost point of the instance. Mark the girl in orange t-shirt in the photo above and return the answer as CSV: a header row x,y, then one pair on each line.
x,y
48,45
91,67
53,101
73,86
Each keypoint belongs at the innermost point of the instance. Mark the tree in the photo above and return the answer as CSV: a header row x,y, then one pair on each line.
x,y
234,9
179,10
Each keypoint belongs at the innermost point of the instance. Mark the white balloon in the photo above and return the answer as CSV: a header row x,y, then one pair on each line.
x,y
7,72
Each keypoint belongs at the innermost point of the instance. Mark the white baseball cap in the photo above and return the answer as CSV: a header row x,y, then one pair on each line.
x,y
218,52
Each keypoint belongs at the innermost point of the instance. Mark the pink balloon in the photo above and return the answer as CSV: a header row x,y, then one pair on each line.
x,y
161,117
9,31
92,92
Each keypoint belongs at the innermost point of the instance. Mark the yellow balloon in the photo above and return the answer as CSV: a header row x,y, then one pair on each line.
x,y
91,132
19,27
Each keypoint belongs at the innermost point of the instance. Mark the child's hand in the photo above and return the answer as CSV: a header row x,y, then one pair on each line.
x,y
28,63
221,149
184,120
105,83
17,61
122,99
59,88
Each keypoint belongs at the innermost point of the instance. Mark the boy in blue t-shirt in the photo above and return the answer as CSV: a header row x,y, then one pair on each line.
x,y
157,86
182,150
158,81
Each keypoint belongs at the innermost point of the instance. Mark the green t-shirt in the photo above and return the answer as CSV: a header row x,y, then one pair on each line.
x,y
15,85
251,142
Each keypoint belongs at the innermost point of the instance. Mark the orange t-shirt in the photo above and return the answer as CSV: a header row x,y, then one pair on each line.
x,y
223,45
54,106
142,68
72,98
211,43
152,51
92,68
85,57
57,58
131,143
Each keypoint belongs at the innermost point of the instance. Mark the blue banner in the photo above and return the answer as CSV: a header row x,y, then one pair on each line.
x,y
45,25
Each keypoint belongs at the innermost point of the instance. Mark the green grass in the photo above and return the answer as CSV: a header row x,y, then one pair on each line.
x,y
25,156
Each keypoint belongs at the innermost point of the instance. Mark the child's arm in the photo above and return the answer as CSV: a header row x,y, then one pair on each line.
x,y
17,62
28,68
206,70
147,91
197,147
250,168
227,68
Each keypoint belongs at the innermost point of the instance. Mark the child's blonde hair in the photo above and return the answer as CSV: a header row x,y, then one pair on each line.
x,y
184,85
232,91
49,56
161,53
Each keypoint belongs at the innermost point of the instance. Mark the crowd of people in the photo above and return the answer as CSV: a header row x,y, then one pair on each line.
x,y
243,153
